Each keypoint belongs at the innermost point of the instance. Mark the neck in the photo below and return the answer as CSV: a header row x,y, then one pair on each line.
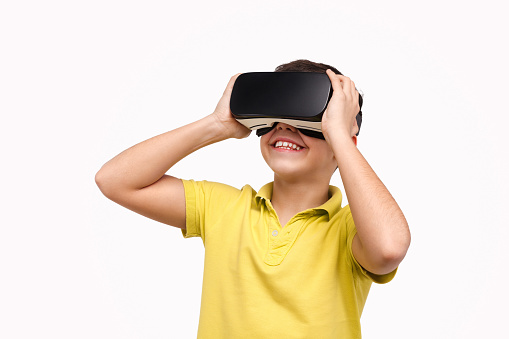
x,y
290,197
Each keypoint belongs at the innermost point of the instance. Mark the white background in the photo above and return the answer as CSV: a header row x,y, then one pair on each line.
x,y
82,81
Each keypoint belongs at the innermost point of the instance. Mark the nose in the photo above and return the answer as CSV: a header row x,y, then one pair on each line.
x,y
282,126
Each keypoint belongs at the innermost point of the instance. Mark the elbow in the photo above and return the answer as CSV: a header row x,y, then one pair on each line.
x,y
395,252
104,181
385,259
101,181
99,178
387,262
392,259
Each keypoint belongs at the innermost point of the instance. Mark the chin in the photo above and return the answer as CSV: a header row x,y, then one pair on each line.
x,y
290,171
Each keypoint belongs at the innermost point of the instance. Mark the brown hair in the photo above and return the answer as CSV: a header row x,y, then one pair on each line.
x,y
303,65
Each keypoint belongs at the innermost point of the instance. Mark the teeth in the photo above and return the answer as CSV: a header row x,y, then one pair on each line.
x,y
287,145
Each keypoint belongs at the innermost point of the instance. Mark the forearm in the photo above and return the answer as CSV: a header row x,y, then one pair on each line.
x,y
146,162
381,226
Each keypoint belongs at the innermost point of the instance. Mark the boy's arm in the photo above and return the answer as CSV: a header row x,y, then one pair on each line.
x,y
383,236
136,177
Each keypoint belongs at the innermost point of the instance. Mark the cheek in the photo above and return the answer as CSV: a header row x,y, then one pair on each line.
x,y
264,139
264,145
323,153
321,146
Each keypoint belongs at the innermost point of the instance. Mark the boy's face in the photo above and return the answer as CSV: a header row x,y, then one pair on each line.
x,y
301,156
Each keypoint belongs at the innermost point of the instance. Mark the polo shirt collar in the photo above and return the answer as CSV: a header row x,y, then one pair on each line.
x,y
265,192
331,206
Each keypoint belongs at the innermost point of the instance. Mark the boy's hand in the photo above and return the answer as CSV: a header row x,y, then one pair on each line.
x,y
223,115
339,117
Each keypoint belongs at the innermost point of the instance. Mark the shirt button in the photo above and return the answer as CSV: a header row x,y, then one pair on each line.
x,y
274,233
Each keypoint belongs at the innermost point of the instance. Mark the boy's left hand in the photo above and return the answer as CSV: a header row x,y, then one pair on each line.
x,y
339,116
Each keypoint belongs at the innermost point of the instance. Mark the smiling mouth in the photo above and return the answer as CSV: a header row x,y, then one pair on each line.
x,y
287,145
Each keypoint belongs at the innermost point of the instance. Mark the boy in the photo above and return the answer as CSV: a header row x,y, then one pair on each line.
x,y
288,261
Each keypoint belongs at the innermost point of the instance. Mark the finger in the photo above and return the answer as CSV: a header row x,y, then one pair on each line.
x,y
355,127
355,94
335,81
347,85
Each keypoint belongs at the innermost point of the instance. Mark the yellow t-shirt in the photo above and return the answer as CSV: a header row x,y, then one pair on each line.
x,y
262,280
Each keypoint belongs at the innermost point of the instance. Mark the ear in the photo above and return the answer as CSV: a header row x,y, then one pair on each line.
x,y
354,138
356,128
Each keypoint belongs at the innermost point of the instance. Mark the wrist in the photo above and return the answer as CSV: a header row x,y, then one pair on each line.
x,y
229,127
336,134
215,127
340,139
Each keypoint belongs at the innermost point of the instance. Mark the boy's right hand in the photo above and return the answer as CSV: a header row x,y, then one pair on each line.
x,y
223,115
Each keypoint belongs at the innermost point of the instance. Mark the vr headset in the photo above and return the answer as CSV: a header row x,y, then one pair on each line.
x,y
260,100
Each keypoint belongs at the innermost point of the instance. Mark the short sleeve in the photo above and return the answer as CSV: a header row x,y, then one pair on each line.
x,y
352,231
206,202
